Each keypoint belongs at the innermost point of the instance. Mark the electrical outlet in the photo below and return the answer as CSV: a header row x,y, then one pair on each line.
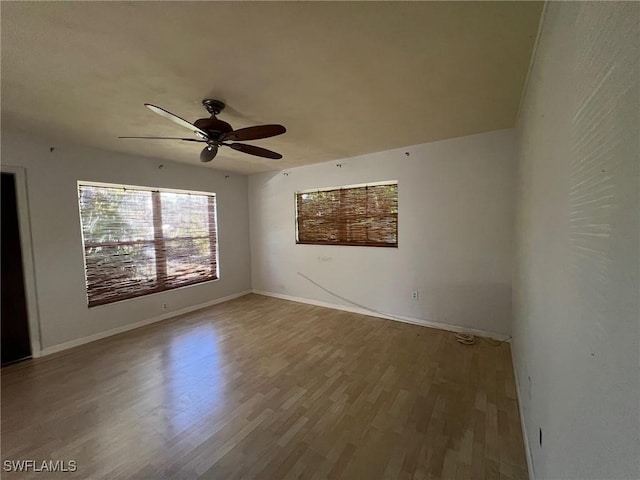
x,y
164,306
414,295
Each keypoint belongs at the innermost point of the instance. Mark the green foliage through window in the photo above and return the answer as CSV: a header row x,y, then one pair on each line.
x,y
138,241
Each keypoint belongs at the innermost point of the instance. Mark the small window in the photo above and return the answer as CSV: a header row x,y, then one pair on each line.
x,y
139,241
361,215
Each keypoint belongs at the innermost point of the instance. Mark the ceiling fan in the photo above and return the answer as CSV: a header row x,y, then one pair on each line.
x,y
217,133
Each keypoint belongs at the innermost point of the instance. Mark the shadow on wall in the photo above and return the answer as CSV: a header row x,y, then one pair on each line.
x,y
485,306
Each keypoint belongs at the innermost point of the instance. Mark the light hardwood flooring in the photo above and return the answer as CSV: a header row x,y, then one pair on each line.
x,y
262,388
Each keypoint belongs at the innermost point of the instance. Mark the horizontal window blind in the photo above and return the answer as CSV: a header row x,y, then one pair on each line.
x,y
361,215
138,241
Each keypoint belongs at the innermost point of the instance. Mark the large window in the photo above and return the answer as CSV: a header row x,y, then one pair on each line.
x,y
365,215
139,241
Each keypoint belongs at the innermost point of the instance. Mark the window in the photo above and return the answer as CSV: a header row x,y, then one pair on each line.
x,y
139,241
365,215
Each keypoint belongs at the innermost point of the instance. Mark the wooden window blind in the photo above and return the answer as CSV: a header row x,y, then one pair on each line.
x,y
359,215
139,241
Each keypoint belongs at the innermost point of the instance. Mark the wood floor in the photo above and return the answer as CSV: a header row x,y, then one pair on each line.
x,y
263,388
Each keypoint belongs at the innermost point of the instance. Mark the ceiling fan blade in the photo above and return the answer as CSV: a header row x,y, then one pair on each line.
x,y
255,133
174,118
208,153
170,138
253,150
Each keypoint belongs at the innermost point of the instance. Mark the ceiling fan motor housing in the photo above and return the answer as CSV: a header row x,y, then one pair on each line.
x,y
214,127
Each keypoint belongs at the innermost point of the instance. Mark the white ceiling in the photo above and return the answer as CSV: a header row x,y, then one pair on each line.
x,y
345,78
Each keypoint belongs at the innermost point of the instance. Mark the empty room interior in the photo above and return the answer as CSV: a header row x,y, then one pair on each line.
x,y
320,240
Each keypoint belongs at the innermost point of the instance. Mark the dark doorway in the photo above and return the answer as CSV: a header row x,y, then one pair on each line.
x,y
15,324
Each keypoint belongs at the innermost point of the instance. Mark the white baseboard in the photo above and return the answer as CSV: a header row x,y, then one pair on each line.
x,y
399,318
523,424
114,331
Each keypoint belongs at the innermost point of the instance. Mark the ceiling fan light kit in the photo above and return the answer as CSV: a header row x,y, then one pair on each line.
x,y
215,132
208,153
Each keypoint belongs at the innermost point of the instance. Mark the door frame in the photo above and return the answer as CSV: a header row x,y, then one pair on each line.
x,y
28,265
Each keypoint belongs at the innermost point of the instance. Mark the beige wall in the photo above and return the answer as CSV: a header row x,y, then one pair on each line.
x,y
51,179
455,234
577,316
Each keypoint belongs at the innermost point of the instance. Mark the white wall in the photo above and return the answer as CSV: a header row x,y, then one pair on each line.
x,y
455,234
577,316
57,244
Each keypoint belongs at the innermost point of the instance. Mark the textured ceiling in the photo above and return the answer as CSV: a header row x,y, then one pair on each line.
x,y
345,78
